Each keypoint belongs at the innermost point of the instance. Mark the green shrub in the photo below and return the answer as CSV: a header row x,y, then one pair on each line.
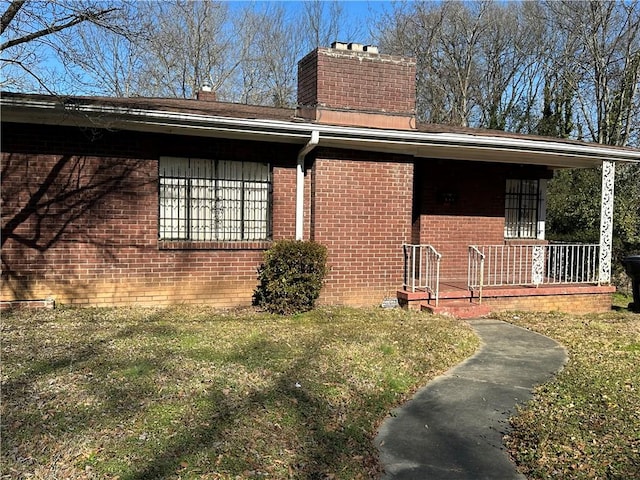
x,y
291,277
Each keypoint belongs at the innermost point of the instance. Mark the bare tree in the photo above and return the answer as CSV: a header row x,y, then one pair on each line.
x,y
246,52
190,44
274,38
279,52
414,30
603,65
590,65
269,37
110,63
472,61
563,68
508,60
38,32
324,22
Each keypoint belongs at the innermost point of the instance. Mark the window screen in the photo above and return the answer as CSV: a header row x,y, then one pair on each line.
x,y
214,200
521,208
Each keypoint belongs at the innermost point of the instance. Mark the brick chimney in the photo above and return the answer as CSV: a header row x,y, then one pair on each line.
x,y
352,84
206,94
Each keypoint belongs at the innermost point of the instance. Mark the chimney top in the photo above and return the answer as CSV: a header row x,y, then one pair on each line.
x,y
206,94
354,47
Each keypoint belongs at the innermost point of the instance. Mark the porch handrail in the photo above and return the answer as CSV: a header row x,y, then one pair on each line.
x,y
422,269
475,270
534,264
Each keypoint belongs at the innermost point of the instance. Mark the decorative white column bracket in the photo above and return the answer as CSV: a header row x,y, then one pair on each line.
x,y
537,265
606,221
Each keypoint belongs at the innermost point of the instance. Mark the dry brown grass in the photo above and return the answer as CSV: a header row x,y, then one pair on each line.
x,y
191,392
585,423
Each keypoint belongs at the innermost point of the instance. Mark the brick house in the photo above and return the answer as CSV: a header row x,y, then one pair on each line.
x,y
116,201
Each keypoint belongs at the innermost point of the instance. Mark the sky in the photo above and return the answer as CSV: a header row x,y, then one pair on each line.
x,y
358,14
357,17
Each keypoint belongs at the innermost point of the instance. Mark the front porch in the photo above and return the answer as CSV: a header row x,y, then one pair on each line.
x,y
546,277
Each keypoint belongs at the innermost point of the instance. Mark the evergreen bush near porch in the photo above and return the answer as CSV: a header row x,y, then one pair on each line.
x,y
291,277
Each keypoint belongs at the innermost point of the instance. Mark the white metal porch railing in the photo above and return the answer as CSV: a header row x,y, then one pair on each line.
x,y
498,265
422,269
475,270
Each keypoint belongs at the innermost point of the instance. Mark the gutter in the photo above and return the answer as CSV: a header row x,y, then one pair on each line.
x,y
311,144
457,146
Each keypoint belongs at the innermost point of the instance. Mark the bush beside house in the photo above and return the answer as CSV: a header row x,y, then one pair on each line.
x,y
291,277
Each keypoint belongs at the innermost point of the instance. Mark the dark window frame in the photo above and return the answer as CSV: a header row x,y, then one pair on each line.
x,y
522,208
214,200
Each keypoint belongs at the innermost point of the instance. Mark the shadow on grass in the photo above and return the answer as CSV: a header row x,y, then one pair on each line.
x,y
319,441
319,437
27,411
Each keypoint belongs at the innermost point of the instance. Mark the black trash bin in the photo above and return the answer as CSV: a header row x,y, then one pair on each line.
x,y
632,267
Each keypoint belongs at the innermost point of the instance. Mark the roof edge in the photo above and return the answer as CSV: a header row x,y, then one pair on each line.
x,y
40,109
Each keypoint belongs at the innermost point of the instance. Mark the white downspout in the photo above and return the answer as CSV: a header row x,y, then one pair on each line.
x,y
311,144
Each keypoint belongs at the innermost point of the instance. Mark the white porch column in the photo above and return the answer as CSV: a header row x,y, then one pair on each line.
x,y
542,209
606,220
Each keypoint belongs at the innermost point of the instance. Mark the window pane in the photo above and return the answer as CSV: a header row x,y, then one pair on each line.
x,y
202,211
207,200
521,208
256,210
511,209
173,198
173,208
229,212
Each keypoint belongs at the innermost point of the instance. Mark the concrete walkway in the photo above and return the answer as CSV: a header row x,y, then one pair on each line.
x,y
452,429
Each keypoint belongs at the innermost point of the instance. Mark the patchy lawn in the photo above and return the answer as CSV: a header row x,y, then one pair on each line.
x,y
190,392
586,422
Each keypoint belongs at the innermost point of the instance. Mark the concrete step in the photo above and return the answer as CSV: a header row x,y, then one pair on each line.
x,y
457,309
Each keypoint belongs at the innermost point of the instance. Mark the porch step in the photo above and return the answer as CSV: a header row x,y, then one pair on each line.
x,y
457,309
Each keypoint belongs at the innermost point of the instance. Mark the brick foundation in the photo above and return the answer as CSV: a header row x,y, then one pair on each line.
x,y
577,299
26,304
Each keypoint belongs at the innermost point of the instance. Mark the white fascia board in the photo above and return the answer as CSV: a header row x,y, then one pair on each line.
x,y
422,141
456,146
153,121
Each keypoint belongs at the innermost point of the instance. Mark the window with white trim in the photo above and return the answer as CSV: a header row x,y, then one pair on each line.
x,y
524,209
214,200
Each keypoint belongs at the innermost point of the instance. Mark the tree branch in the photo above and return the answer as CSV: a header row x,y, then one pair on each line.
x,y
86,16
9,13
26,69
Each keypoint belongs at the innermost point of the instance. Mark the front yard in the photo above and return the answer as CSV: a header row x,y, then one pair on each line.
x,y
190,392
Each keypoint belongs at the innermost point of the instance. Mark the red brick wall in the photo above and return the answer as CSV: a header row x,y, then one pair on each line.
x,y
361,210
460,204
80,219
345,79
284,202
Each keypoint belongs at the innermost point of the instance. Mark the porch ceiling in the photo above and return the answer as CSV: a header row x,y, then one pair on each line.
x,y
476,146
